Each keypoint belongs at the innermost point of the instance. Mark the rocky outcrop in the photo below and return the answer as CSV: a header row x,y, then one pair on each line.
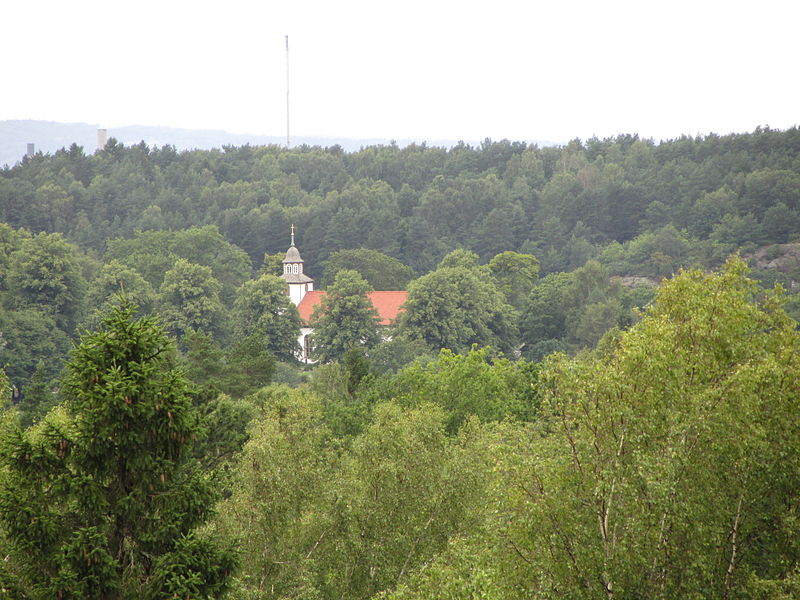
x,y
781,257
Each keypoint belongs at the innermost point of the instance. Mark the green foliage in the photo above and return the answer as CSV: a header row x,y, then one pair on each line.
x,y
5,389
408,489
456,307
362,214
474,384
545,315
262,307
768,187
292,374
345,412
571,311
189,299
226,421
393,354
28,336
734,231
345,318
460,258
466,569
415,203
272,264
676,424
250,366
103,498
10,240
153,253
643,208
380,271
653,254
203,360
222,379
114,281
357,367
325,523
515,274
281,493
781,223
239,370
667,466
44,273
38,397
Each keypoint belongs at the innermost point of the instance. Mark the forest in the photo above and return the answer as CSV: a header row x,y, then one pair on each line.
x,y
592,391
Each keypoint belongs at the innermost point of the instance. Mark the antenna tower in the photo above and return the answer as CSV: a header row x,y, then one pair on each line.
x,y
287,92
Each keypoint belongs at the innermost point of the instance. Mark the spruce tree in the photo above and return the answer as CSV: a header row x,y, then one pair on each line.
x,y
103,499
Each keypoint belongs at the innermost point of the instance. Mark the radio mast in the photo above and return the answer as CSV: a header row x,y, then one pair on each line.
x,y
287,92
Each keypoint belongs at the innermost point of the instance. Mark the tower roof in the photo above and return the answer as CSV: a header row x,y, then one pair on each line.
x,y
292,255
296,278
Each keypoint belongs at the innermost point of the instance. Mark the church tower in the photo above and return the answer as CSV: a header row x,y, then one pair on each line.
x,y
299,283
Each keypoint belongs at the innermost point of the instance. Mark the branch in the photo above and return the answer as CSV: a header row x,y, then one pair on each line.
x,y
314,547
732,561
413,547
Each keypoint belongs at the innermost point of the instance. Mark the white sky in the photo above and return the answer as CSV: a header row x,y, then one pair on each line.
x,y
426,70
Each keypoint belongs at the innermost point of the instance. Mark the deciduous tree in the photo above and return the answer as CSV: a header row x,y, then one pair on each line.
x,y
262,308
44,272
114,279
515,274
455,307
382,272
345,318
669,463
189,299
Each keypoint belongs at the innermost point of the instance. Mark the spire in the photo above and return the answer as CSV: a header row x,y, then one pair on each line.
x,y
298,283
293,254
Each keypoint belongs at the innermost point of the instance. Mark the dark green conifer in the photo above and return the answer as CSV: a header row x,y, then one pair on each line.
x,y
103,499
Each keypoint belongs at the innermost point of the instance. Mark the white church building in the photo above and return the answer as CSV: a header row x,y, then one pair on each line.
x,y
388,304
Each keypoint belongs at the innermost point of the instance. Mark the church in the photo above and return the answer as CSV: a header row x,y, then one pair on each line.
x,y
388,304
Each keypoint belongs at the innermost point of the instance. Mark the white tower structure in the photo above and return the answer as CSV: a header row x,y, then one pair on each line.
x,y
299,283
102,138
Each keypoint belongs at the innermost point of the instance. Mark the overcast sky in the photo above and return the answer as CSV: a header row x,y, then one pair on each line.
x,y
425,70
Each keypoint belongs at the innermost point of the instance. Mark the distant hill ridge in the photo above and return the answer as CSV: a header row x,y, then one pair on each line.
x,y
49,136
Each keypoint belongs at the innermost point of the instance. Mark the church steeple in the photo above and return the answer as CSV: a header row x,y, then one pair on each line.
x,y
299,283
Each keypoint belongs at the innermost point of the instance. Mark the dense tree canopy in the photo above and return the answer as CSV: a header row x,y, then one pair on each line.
x,y
515,275
44,272
262,307
381,272
415,203
153,253
655,455
103,499
189,299
345,318
114,280
332,525
662,466
455,307
471,385
673,460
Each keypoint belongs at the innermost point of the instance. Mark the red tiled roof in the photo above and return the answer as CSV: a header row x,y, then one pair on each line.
x,y
307,304
386,303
